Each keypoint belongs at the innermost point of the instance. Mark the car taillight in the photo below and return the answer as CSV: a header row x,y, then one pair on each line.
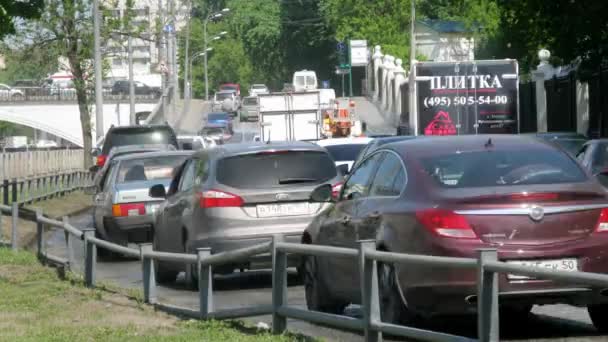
x,y
446,223
602,222
218,199
101,160
128,209
336,188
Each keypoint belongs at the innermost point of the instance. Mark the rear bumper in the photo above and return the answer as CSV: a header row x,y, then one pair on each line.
x,y
454,290
131,229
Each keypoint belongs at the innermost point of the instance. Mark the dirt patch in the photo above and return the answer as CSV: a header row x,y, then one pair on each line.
x,y
55,208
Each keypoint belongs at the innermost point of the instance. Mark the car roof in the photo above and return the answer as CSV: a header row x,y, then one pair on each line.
x,y
218,113
125,128
154,154
144,147
226,91
466,143
249,148
387,140
344,141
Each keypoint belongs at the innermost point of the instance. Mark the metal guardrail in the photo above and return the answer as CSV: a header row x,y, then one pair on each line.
x,y
487,265
62,95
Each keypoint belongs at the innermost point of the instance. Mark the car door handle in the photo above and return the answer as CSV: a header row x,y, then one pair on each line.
x,y
346,219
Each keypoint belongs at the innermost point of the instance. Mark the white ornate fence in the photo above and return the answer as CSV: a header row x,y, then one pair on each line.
x,y
37,163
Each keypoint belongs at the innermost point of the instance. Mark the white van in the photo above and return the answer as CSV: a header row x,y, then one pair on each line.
x,y
304,80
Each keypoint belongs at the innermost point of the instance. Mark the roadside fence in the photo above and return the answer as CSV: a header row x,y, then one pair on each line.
x,y
49,94
38,163
487,265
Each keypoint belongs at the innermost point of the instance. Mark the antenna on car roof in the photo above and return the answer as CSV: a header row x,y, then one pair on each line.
x,y
488,143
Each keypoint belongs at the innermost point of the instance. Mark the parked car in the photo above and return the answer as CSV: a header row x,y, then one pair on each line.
x,y
121,87
451,196
8,93
250,110
123,210
227,101
119,151
257,89
344,151
377,142
136,135
239,195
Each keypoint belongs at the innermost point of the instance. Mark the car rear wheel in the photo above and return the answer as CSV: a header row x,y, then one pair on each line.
x,y
317,298
163,273
599,316
392,308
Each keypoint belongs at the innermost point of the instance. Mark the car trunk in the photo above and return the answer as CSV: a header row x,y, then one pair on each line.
x,y
553,214
276,183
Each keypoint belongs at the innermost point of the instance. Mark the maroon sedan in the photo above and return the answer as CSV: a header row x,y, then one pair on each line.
x,y
449,196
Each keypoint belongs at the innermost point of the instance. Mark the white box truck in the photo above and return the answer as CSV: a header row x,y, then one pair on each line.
x,y
290,116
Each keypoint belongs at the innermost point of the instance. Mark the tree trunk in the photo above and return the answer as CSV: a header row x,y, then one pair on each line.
x,y
83,107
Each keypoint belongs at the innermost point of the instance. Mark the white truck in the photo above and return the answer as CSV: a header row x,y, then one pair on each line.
x,y
290,116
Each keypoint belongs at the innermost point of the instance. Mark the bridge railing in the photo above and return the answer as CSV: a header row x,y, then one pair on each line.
x,y
23,165
46,94
366,256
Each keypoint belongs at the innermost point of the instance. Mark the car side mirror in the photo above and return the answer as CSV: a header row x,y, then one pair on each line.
x,y
322,193
343,169
157,191
94,168
95,152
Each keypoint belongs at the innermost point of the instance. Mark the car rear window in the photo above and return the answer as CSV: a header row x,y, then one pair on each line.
x,y
346,152
502,168
212,130
145,169
139,136
275,170
250,101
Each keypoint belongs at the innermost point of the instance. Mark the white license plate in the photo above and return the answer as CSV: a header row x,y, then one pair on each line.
x,y
287,209
567,265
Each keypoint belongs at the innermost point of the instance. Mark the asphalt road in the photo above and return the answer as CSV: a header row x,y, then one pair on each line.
x,y
546,323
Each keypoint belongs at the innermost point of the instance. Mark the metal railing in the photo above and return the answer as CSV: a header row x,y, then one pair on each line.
x,y
36,163
62,95
487,265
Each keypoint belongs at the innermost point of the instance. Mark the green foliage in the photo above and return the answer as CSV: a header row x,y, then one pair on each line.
x,y
10,10
24,64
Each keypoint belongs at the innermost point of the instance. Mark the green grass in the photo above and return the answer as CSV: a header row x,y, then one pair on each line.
x,y
36,305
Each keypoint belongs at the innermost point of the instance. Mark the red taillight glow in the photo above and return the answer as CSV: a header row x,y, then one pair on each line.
x,y
128,209
336,188
602,222
446,223
218,199
101,160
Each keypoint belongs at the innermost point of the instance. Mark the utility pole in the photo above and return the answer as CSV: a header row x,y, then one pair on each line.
x,y
187,94
161,55
98,75
132,120
205,58
173,58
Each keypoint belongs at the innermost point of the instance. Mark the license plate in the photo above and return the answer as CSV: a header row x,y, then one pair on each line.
x,y
288,209
567,265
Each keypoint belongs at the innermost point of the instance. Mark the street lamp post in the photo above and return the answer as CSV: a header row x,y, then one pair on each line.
x,y
195,56
216,15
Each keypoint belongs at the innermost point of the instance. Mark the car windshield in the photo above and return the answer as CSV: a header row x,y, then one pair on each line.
x,y
502,168
138,170
274,170
300,80
346,152
217,116
139,136
250,101
223,96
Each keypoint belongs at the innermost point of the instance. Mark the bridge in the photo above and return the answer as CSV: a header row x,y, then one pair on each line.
x,y
62,120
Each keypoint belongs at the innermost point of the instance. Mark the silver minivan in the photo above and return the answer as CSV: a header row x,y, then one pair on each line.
x,y
239,195
250,109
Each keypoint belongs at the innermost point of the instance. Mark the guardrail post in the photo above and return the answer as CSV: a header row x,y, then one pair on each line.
x,y
90,255
39,234
14,190
370,296
69,241
205,283
15,217
487,298
279,285
148,273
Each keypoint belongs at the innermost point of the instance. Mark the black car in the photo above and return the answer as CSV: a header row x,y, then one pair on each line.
x,y
136,135
122,88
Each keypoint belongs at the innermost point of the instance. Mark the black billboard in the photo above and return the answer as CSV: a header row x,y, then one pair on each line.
x,y
467,98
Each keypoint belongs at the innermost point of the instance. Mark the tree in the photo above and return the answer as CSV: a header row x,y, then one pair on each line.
x,y
11,9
